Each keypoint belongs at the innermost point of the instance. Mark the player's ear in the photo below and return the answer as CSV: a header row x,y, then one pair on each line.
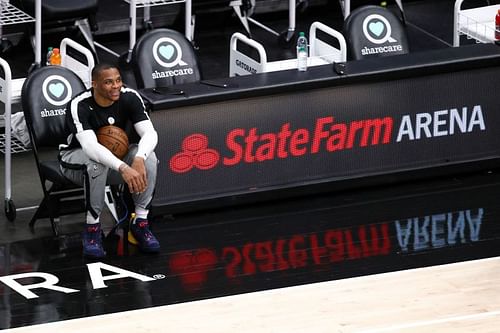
x,y
94,84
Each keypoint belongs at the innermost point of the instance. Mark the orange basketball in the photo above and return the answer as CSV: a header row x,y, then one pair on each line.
x,y
115,139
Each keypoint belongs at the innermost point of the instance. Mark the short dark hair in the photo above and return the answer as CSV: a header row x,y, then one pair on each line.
x,y
101,67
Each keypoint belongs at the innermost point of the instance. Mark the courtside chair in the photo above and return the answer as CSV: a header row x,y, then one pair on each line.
x,y
163,58
45,94
374,31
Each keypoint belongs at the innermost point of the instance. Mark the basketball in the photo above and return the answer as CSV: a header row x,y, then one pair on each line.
x,y
115,139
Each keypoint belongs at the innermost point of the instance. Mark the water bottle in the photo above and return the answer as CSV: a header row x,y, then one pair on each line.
x,y
497,25
302,52
49,54
55,59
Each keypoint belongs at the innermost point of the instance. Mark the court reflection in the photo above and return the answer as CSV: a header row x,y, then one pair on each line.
x,y
439,230
331,238
251,248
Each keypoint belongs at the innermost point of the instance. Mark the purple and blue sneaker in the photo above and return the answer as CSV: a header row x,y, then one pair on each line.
x,y
92,241
140,235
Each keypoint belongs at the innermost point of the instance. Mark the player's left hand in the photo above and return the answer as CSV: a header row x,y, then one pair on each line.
x,y
138,165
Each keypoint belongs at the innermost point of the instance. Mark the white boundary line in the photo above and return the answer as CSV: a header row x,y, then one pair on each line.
x,y
433,322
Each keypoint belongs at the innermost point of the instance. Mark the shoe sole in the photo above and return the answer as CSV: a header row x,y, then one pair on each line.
x,y
90,256
132,239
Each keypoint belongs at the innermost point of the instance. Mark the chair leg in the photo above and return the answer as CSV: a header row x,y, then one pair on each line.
x,y
242,16
42,207
54,221
84,27
111,203
401,10
46,210
121,202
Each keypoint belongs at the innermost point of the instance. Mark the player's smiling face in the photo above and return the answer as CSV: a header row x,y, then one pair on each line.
x,y
107,87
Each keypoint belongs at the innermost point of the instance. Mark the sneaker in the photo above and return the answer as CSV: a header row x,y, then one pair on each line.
x,y
92,241
139,234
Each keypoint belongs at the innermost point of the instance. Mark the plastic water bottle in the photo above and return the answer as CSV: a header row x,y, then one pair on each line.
x,y
49,54
497,25
302,52
55,59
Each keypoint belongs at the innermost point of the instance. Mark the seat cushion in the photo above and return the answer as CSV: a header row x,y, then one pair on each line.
x,y
51,171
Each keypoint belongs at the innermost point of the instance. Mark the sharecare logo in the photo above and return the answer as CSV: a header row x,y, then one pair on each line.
x,y
326,135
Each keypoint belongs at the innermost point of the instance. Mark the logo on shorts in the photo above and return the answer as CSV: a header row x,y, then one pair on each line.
x,y
56,90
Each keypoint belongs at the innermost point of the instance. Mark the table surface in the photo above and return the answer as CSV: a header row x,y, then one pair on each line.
x,y
381,69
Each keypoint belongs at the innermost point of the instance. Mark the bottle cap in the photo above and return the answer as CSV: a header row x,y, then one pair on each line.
x,y
50,48
301,34
55,50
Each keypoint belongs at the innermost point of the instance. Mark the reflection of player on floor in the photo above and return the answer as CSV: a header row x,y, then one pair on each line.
x,y
109,103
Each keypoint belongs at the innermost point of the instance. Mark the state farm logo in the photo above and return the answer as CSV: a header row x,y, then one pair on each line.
x,y
325,135
195,154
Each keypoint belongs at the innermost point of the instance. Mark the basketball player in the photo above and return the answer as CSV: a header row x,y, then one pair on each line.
x,y
109,103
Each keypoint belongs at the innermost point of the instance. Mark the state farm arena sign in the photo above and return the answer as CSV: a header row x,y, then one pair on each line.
x,y
326,134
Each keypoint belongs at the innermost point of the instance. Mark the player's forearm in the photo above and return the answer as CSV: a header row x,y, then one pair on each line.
x,y
149,138
96,151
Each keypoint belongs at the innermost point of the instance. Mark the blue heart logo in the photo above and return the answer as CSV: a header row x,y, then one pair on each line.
x,y
166,51
376,28
56,89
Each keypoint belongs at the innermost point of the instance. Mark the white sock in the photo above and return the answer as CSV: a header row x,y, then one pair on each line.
x,y
141,212
91,219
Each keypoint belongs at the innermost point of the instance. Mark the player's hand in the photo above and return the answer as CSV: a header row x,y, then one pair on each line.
x,y
135,175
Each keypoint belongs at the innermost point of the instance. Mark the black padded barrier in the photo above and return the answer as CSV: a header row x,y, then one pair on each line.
x,y
414,115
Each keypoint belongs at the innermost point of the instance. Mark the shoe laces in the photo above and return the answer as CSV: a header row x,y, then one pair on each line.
x,y
143,227
92,235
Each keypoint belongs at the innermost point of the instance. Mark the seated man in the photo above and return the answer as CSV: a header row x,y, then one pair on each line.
x,y
109,103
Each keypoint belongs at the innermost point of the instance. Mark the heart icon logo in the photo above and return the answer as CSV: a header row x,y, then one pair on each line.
x,y
56,89
376,28
166,51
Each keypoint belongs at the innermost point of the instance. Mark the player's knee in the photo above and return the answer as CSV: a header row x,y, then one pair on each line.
x,y
152,161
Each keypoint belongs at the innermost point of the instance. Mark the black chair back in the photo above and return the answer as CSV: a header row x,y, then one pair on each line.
x,y
45,95
374,31
162,58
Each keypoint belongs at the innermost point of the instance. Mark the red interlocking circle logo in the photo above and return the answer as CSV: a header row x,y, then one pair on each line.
x,y
195,153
